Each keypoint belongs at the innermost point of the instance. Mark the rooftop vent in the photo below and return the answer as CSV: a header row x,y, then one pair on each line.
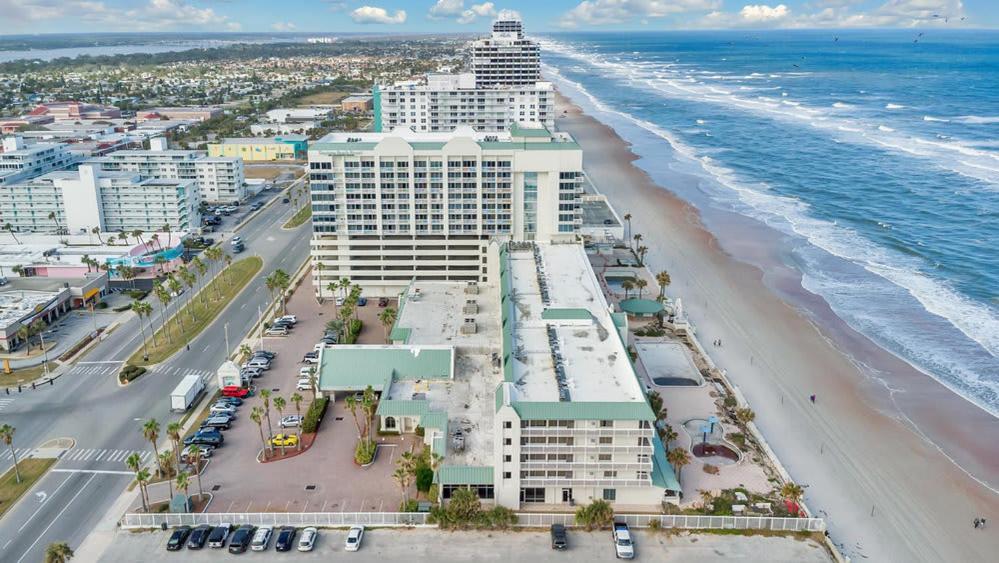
x,y
471,307
469,326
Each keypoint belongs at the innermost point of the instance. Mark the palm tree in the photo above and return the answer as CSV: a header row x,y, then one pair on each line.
x,y
245,351
24,333
7,435
163,296
58,552
188,279
228,273
401,477
387,317
143,309
627,286
678,457
319,278
128,274
123,237
166,229
368,404
265,394
173,432
10,229
166,458
175,289
151,432
137,235
134,462
333,287
663,279
637,238
183,483
97,231
37,326
198,265
257,415
745,415
142,477
279,404
792,492
194,457
54,219
641,284
352,404
627,218
642,251
313,382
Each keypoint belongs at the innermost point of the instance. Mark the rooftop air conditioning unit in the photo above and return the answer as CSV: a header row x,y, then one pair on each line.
x,y
471,307
469,326
472,288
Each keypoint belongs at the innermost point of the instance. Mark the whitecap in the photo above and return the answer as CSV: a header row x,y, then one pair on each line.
x,y
938,119
841,105
700,122
885,129
978,119
894,106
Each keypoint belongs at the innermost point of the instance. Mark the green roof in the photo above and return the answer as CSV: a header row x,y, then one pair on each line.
x,y
566,315
434,419
641,306
438,446
581,410
464,475
388,407
663,475
517,131
352,368
620,319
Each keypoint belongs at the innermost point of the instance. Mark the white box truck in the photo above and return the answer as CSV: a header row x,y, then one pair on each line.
x,y
186,393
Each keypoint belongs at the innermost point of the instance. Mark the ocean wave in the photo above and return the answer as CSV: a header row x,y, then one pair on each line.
x,y
936,119
977,119
841,105
976,321
885,129
894,106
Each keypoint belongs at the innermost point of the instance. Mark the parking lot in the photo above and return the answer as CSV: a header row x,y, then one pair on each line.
x,y
324,478
427,544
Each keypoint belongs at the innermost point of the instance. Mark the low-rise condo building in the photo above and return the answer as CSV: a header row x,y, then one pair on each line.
x,y
284,147
20,161
391,207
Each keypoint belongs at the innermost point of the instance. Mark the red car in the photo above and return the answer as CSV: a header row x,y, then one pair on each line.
x,y
235,391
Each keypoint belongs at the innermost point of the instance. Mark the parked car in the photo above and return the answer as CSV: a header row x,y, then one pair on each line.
x,y
261,363
252,373
362,301
308,539
287,440
291,421
178,537
383,301
218,536
199,535
276,331
219,422
287,318
234,401
339,300
236,391
354,537
204,452
205,437
285,200
265,353
303,385
560,540
311,357
220,407
241,539
285,538
305,371
261,538
624,548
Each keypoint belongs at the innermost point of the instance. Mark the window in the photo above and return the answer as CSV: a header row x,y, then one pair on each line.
x,y
604,457
507,458
532,494
506,474
606,424
610,494
606,440
642,474
610,474
507,441
507,424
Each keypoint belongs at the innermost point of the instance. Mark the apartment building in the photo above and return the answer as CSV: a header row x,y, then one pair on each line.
x,y
506,57
444,102
218,179
522,385
284,147
75,202
19,161
391,207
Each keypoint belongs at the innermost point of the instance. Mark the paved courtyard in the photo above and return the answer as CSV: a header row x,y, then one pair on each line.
x,y
404,545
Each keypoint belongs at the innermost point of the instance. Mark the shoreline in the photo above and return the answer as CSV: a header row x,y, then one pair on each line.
x,y
863,435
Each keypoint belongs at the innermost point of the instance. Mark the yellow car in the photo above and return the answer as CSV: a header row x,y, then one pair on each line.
x,y
285,440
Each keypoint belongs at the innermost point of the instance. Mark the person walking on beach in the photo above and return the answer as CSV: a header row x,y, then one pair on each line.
x,y
978,522
812,398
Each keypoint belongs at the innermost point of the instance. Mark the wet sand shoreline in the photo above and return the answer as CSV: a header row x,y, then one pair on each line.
x,y
862,448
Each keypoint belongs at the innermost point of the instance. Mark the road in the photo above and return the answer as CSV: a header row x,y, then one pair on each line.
x,y
88,405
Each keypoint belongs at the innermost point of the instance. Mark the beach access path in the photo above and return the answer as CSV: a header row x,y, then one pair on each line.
x,y
887,493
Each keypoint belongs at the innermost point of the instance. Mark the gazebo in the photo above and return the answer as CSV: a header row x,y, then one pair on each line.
x,y
641,307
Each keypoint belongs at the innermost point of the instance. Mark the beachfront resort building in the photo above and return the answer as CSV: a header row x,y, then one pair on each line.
x,y
506,57
76,201
522,384
19,161
218,179
391,207
284,147
503,88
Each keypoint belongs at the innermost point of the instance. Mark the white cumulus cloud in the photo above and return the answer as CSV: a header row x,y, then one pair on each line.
x,y
763,13
455,9
374,14
604,12
283,26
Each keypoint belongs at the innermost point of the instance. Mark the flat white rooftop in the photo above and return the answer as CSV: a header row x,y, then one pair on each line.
x,y
577,331
434,313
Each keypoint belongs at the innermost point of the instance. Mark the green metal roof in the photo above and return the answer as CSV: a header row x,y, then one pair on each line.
x,y
352,368
434,419
663,475
620,319
582,410
566,315
388,407
438,446
517,131
641,306
464,475
361,146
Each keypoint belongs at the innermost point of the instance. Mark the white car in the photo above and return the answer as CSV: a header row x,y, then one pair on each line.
x,y
305,372
308,539
292,319
354,536
291,421
261,538
304,385
339,301
217,408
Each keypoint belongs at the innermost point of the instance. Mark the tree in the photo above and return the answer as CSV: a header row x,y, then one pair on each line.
x,y
97,231
7,435
265,394
151,432
194,458
642,251
143,309
369,404
668,434
279,404
55,219
166,229
199,265
188,280
163,296
173,433
313,382
352,405
10,229
175,289
627,218
166,458
387,317
663,279
401,477
183,483
257,415
792,492
134,462
678,457
142,477
245,351
745,416
58,552
37,326
638,239
598,514
627,286
641,284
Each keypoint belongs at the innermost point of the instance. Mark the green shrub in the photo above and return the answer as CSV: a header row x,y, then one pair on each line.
x,y
464,511
364,453
130,372
353,330
411,505
137,293
313,416
424,478
420,431
597,514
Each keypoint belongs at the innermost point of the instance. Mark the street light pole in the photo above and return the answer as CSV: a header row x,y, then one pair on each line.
x,y
227,349
45,354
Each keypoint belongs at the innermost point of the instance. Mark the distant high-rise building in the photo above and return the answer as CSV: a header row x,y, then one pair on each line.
x,y
505,57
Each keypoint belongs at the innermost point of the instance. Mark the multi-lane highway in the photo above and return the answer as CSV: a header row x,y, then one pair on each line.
x,y
87,405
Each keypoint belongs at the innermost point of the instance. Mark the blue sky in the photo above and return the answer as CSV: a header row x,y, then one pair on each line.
x,y
41,16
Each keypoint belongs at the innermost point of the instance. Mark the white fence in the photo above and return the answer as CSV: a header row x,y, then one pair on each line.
x,y
530,520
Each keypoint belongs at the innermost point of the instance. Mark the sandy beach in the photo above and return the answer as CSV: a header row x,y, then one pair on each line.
x,y
868,455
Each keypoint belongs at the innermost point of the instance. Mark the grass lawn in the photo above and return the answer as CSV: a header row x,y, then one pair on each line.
x,y
265,172
322,98
31,471
300,216
218,293
25,376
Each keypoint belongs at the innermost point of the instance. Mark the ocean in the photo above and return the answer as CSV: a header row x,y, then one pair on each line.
x,y
874,154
